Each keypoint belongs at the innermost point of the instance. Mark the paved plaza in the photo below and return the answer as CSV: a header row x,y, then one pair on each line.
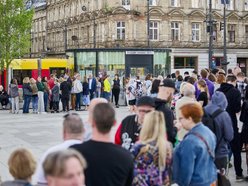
x,y
39,132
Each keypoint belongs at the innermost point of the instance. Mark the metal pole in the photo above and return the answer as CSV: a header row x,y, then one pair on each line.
x,y
210,52
65,37
94,27
148,24
225,51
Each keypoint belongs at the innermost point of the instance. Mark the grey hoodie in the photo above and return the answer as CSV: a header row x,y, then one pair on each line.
x,y
224,128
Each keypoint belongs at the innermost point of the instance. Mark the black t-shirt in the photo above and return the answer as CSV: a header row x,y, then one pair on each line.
x,y
107,164
203,97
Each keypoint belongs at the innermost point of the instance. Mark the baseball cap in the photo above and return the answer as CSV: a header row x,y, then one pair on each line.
x,y
145,101
168,83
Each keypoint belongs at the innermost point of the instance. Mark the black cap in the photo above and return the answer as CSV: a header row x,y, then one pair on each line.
x,y
168,83
145,101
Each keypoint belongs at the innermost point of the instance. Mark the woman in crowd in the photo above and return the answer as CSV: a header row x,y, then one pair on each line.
x,y
4,98
116,90
65,168
34,96
55,96
193,158
203,96
41,89
131,96
86,93
14,94
21,166
46,92
152,165
98,87
148,84
106,88
154,89
27,94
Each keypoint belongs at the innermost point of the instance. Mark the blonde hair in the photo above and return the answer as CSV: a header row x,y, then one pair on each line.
x,y
153,130
26,80
22,164
32,81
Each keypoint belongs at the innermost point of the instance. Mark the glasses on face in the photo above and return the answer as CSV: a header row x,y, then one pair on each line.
x,y
70,114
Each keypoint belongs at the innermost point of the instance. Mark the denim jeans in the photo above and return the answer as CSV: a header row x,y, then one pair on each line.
x,y
78,101
26,104
45,101
41,102
106,95
35,103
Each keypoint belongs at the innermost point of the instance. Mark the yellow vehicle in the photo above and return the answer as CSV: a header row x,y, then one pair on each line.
x,y
21,68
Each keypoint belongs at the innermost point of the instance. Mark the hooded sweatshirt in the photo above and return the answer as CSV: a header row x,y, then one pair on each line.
x,y
233,97
161,105
224,128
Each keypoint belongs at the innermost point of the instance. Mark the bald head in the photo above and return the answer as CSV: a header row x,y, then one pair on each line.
x,y
93,103
73,127
188,90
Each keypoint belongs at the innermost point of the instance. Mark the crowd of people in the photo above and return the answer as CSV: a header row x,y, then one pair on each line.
x,y
46,94
182,131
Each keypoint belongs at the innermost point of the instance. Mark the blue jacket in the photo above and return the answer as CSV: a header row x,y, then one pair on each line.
x,y
224,128
93,85
192,164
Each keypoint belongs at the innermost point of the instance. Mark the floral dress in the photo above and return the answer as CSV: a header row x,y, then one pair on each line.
x,y
146,166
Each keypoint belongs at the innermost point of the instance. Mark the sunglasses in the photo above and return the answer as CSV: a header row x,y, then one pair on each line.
x,y
70,114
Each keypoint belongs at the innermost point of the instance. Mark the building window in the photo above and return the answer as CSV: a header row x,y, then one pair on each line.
x,y
175,3
175,31
196,3
153,2
246,33
185,62
231,33
195,32
154,30
230,6
120,30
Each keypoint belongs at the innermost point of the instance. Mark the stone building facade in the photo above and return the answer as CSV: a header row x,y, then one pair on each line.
x,y
180,25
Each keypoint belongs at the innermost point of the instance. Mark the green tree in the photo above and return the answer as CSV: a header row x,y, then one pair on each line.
x,y
15,27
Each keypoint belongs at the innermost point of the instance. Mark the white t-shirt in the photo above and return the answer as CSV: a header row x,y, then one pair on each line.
x,y
40,175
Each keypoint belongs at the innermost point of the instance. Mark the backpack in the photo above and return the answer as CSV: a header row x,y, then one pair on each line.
x,y
208,121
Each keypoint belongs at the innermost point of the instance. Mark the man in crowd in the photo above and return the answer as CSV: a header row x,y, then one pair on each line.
x,y
73,130
129,129
88,125
165,94
223,129
188,92
186,76
241,85
65,88
92,86
204,75
77,89
108,164
233,97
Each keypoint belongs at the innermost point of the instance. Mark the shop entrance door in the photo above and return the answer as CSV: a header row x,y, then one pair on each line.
x,y
138,65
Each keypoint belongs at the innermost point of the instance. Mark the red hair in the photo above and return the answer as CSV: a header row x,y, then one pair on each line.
x,y
193,110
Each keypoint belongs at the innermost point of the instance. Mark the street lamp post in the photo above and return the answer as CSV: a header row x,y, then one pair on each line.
x,y
224,63
210,22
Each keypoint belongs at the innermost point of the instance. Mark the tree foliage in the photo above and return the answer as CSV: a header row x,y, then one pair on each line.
x,y
15,27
